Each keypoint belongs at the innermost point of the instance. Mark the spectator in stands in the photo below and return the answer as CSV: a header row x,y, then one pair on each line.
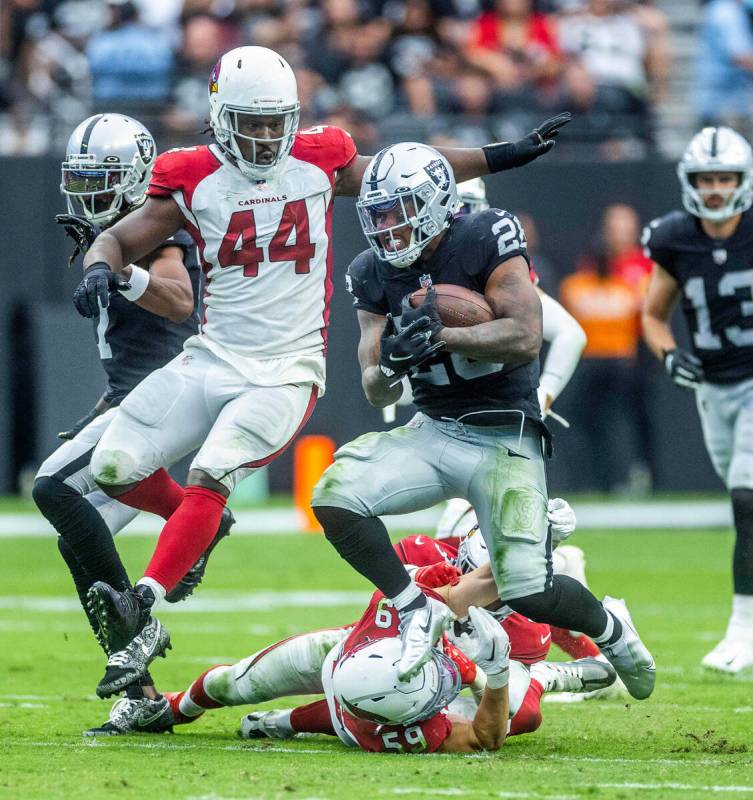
x,y
608,308
725,65
130,62
612,67
518,49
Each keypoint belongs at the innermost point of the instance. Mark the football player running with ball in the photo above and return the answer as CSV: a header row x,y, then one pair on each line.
x,y
703,253
258,203
478,433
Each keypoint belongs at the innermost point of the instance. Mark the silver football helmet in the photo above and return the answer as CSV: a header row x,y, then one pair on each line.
x,y
366,685
472,551
408,196
717,150
472,197
107,167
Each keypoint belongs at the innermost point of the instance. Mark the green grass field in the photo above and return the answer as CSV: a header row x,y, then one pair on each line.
x,y
692,739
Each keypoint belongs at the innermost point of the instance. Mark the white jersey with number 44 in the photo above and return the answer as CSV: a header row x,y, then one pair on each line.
x,y
266,252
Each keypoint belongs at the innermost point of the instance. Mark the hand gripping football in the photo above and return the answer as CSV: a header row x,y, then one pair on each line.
x,y
458,307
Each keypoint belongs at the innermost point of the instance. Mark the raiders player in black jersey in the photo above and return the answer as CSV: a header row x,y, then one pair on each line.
x,y
478,433
139,325
705,255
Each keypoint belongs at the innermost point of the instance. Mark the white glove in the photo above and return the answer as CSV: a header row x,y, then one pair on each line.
x,y
562,519
488,645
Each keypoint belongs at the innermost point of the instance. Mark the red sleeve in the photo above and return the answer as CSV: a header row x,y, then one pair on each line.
x,y
181,170
421,737
326,146
421,551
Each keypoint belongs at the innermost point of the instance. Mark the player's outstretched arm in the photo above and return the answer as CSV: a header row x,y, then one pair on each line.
x,y
657,309
168,292
472,162
515,336
136,235
567,340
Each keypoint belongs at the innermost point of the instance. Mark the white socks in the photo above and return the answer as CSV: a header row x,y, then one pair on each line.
x,y
741,620
409,595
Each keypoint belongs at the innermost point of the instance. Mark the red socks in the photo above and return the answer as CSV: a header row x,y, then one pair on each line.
x,y
158,493
575,646
528,718
186,535
312,718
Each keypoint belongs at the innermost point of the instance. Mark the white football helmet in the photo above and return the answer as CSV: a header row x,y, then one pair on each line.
x,y
408,185
253,82
472,197
108,164
717,150
366,685
457,519
472,551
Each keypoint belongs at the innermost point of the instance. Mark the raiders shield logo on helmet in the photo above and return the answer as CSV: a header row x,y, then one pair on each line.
x,y
438,173
145,143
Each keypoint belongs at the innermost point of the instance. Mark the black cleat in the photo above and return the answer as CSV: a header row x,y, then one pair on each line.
x,y
121,615
131,664
185,586
141,715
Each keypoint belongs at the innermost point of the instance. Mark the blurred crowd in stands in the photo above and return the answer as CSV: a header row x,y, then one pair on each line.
x,y
435,70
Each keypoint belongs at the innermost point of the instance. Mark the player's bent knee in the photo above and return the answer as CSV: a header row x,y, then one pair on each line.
x,y
337,523
113,467
50,496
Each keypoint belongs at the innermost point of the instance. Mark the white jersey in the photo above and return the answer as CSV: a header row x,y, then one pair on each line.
x,y
266,252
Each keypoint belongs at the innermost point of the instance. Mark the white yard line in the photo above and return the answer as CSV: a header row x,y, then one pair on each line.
x,y
609,516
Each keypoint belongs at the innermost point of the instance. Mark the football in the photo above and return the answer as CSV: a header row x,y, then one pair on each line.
x,y
458,307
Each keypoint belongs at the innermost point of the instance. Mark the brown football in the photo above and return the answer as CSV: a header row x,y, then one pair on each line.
x,y
458,307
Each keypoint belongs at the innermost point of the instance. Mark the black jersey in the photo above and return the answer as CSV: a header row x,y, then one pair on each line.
x,y
716,280
133,342
451,385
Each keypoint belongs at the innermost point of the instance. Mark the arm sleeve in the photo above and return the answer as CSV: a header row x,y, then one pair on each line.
x,y
567,340
496,236
363,286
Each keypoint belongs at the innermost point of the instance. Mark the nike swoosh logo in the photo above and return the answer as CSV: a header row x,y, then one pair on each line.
x,y
399,358
494,650
153,718
545,639
426,628
418,540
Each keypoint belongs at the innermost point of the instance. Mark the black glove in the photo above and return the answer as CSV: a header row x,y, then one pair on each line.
x,y
401,351
427,309
94,290
80,230
506,155
683,367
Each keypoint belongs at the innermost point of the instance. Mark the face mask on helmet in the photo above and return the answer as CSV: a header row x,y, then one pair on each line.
x,y
472,551
257,142
407,198
716,175
93,190
366,685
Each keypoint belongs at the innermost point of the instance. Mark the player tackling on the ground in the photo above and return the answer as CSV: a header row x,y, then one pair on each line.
x,y
258,202
705,254
478,433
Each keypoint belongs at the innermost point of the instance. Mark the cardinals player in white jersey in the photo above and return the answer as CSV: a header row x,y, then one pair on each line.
x,y
258,203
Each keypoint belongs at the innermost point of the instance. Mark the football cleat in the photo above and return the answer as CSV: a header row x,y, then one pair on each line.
x,y
186,585
136,716
266,725
120,615
731,655
130,664
583,675
628,655
419,630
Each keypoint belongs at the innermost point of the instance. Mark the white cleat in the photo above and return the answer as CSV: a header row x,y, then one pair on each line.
x,y
628,655
583,675
266,725
730,656
419,631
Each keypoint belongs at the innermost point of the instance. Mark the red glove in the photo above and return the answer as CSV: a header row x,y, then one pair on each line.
x,y
462,662
439,574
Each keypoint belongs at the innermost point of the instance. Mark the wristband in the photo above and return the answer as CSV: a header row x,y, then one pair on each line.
x,y
500,156
139,280
499,679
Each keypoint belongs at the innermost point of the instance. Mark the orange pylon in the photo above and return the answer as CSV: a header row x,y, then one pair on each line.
x,y
311,456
